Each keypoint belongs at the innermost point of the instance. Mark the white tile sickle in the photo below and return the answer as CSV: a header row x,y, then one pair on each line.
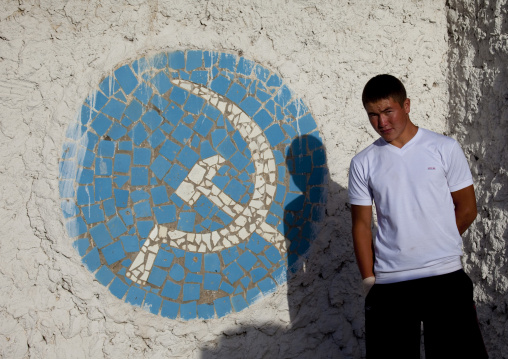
x,y
247,218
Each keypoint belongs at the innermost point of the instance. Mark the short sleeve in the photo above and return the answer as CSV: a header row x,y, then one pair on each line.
x,y
458,173
358,188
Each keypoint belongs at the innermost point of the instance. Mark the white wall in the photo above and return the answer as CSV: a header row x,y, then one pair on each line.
x,y
478,117
54,53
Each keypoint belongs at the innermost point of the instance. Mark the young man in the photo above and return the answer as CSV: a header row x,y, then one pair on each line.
x,y
423,190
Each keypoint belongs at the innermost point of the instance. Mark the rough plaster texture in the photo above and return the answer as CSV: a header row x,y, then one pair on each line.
x,y
478,91
52,53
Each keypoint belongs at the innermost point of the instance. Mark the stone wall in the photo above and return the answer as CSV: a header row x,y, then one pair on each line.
x,y
53,54
478,88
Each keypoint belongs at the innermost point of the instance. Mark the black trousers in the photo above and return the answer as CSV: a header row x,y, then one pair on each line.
x,y
444,304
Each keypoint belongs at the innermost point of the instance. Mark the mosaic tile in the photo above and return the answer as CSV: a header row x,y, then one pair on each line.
x,y
82,245
191,181
92,260
152,303
104,275
205,311
130,243
170,309
69,209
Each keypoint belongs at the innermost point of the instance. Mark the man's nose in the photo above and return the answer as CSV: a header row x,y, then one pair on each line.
x,y
383,121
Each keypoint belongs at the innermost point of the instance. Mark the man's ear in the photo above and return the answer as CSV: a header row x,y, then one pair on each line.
x,y
407,105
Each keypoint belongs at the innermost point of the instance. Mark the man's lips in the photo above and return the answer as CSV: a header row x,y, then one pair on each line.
x,y
384,132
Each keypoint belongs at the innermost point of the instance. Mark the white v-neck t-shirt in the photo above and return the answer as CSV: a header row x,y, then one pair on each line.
x,y
411,187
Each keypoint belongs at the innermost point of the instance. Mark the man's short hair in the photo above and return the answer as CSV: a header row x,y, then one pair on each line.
x,y
384,86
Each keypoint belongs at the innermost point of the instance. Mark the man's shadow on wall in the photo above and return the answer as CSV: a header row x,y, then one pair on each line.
x,y
324,300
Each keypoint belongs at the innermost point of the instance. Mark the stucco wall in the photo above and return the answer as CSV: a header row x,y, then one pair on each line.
x,y
478,116
53,53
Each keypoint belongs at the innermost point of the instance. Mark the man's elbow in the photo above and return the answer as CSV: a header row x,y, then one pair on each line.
x,y
473,213
466,218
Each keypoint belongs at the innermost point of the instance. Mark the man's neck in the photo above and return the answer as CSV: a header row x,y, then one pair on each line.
x,y
409,132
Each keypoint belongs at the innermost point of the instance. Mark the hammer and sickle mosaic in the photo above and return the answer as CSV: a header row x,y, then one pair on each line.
x,y
191,181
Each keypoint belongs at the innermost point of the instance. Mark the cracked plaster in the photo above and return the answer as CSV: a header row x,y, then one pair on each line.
x,y
53,52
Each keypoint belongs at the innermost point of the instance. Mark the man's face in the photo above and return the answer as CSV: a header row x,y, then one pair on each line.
x,y
390,120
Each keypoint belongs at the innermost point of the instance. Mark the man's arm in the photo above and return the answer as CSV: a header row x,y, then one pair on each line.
x,y
362,239
465,207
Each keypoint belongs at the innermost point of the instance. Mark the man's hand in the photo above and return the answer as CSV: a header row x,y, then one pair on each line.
x,y
465,207
367,284
362,239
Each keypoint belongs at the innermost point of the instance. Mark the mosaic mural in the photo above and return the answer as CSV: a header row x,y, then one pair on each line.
x,y
191,181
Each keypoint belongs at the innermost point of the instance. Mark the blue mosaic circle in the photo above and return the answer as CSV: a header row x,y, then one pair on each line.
x,y
191,181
